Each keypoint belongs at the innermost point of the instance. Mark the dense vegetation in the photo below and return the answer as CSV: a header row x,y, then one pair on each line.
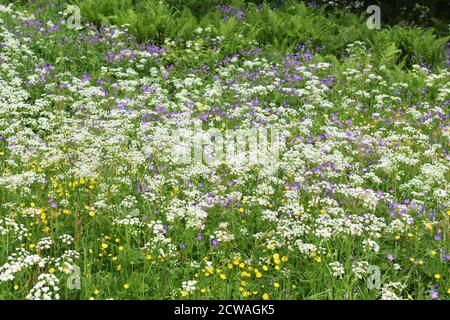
x,y
96,201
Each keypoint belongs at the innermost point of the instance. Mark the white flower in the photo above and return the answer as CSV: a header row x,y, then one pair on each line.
x,y
337,269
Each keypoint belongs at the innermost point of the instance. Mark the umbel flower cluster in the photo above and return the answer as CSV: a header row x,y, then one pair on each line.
x,y
90,179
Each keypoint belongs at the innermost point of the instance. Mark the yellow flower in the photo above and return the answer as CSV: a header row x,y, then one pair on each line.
x,y
120,248
16,287
277,268
265,268
258,274
223,276
126,285
276,258
202,290
420,262
149,257
184,293
51,270
92,213
448,213
397,237
104,245
241,210
437,276
265,296
276,285
241,265
271,245
448,290
96,291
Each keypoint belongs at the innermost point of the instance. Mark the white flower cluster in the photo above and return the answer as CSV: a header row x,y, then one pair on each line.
x,y
46,288
44,243
337,269
392,291
18,261
359,269
371,245
66,239
189,286
222,234
129,221
8,226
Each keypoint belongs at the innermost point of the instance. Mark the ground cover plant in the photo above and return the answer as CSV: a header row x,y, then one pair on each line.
x,y
112,184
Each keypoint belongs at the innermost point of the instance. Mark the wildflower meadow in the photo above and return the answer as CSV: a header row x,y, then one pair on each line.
x,y
223,150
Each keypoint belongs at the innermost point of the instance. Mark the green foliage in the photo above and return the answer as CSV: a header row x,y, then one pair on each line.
x,y
416,45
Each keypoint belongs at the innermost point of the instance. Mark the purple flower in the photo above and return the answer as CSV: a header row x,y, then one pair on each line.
x,y
438,235
53,203
434,294
214,242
